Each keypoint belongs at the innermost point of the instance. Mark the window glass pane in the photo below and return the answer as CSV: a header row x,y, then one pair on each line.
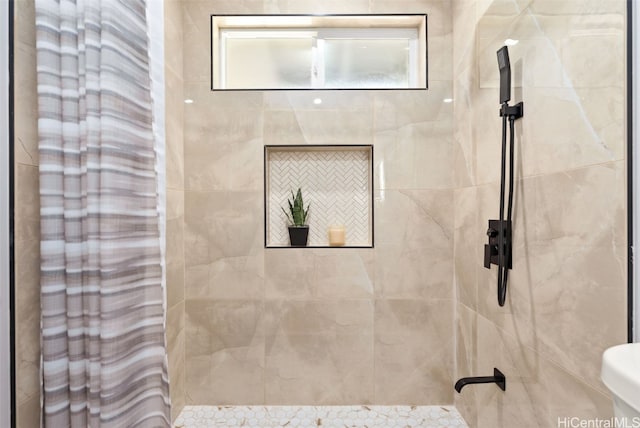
x,y
256,63
366,63
263,52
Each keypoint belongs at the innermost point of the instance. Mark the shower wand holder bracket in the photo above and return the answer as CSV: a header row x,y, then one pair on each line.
x,y
491,250
514,112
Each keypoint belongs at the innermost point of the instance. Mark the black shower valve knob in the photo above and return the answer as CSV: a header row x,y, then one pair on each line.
x,y
492,233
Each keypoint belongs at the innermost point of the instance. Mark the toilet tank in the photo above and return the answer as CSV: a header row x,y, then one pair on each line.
x,y
621,374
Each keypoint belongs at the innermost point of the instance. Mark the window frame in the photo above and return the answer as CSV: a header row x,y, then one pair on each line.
x,y
373,26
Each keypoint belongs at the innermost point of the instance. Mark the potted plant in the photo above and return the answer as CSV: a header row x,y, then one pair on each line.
x,y
298,228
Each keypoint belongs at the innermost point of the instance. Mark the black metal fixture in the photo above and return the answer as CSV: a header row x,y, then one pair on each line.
x,y
499,249
497,378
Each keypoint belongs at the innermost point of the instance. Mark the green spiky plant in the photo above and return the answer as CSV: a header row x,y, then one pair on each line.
x,y
298,215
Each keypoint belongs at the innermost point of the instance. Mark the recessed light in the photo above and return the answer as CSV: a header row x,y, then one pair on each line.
x,y
448,100
188,101
317,101
511,42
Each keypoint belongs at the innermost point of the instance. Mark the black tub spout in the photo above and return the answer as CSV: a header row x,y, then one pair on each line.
x,y
497,378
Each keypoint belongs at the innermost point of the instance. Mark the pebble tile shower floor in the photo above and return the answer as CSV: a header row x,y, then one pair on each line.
x,y
320,416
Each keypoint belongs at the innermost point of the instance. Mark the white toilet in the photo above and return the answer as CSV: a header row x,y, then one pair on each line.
x,y
621,374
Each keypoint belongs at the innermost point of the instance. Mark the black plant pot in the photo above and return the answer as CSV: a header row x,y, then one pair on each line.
x,y
298,235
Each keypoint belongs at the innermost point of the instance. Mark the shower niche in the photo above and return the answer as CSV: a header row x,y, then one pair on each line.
x,y
337,182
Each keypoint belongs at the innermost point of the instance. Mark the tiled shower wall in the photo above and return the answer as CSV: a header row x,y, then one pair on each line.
x,y
27,218
175,262
330,326
567,290
340,326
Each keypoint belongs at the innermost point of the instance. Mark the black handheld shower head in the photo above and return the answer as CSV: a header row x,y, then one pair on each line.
x,y
505,74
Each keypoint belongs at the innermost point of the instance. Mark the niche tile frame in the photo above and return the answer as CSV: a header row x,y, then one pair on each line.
x,y
330,176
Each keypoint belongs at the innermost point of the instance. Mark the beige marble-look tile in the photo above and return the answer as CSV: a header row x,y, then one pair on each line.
x,y
578,306
463,173
224,239
413,351
175,333
24,21
441,59
289,274
197,36
229,224
566,294
466,356
436,9
27,201
579,7
223,140
209,102
178,398
439,31
566,141
564,396
396,109
344,274
27,206
196,250
463,155
521,367
504,17
414,244
176,352
224,351
26,102
467,249
196,24
196,281
217,164
606,118
197,379
583,206
175,204
292,101
27,229
175,264
314,7
239,277
292,117
27,318
464,87
550,52
174,128
567,258
416,156
173,36
318,127
538,391
319,352
214,325
487,136
28,413
464,40
535,60
320,273
230,7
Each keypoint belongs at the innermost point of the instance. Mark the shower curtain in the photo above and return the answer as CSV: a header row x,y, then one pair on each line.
x,y
104,360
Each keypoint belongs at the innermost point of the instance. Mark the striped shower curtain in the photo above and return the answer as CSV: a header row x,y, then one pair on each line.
x,y
104,361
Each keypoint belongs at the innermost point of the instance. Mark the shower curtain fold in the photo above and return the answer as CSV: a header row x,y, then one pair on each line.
x,y
104,359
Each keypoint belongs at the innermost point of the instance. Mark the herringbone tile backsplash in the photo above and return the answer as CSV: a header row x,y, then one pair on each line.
x,y
335,180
